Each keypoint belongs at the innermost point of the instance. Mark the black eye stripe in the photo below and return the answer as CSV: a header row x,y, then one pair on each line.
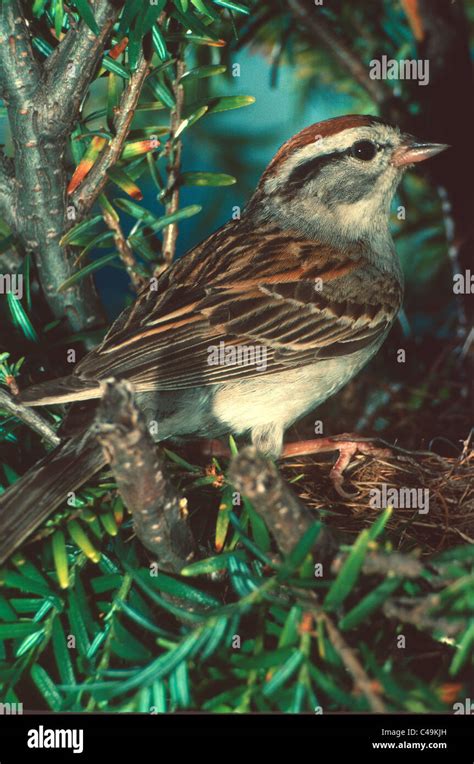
x,y
310,169
306,170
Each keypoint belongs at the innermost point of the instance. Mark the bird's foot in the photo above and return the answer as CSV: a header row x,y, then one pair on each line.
x,y
347,446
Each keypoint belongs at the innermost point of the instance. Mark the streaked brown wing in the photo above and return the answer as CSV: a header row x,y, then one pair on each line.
x,y
300,301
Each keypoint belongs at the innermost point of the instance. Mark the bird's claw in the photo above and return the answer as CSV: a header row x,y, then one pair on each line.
x,y
348,448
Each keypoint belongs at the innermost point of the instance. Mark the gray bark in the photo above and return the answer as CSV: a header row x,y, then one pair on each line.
x,y
43,103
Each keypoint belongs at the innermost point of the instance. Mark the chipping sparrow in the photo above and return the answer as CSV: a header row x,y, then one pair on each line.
x,y
307,281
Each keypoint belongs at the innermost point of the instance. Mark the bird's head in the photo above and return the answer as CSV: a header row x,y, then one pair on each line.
x,y
335,180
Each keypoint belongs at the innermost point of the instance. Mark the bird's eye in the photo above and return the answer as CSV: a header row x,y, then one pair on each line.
x,y
364,150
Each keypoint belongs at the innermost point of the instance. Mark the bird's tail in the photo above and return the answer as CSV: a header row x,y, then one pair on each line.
x,y
25,504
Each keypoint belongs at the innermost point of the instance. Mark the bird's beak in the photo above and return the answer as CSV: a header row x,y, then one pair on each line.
x,y
411,152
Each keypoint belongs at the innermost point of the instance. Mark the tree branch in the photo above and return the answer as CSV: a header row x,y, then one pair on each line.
x,y
257,478
70,69
37,205
7,191
159,513
20,73
95,181
288,519
29,417
40,210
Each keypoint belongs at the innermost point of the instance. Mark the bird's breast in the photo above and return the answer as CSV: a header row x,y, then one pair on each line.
x,y
284,397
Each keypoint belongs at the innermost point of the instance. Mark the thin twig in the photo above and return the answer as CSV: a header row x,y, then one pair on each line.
x,y
29,417
353,665
124,249
95,181
174,149
392,564
310,601
320,29
417,616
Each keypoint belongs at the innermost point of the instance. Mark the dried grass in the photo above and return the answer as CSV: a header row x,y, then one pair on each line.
x,y
450,481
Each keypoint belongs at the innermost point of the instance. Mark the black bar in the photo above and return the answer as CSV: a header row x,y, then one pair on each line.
x,y
447,737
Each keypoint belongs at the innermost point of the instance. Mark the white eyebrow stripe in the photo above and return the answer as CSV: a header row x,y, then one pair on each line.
x,y
340,142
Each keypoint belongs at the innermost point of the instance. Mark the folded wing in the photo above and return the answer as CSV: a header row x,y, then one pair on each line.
x,y
300,301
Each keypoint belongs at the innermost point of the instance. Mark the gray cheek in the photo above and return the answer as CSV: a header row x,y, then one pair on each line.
x,y
349,188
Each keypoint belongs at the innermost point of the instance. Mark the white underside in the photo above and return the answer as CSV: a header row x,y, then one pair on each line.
x,y
267,407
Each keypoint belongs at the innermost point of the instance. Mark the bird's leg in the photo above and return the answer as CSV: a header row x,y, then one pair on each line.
x,y
347,446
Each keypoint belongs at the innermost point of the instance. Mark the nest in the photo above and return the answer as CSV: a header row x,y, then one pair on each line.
x,y
449,483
